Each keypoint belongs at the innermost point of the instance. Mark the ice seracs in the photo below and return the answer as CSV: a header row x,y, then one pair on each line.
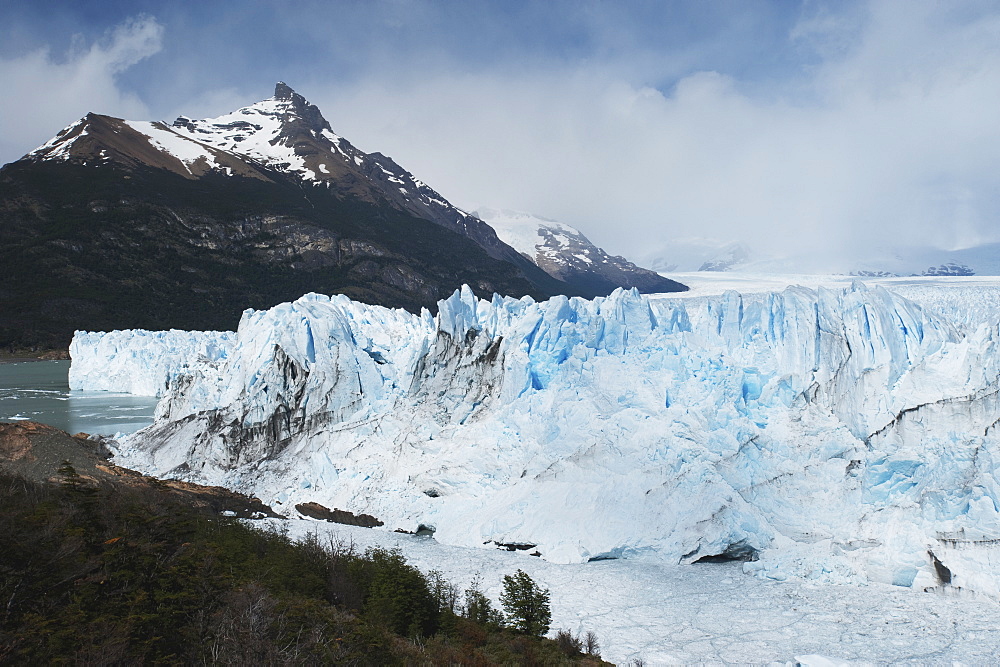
x,y
140,362
838,435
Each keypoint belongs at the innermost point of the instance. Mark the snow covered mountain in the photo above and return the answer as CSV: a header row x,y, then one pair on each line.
x,y
289,134
698,254
565,253
133,224
983,260
842,436
286,134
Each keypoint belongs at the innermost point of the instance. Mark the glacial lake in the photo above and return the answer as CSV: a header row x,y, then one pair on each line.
x,y
39,391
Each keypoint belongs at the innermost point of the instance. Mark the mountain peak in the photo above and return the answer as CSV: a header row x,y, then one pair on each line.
x,y
300,106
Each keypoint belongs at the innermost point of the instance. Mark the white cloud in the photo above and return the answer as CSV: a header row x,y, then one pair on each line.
x,y
43,94
890,136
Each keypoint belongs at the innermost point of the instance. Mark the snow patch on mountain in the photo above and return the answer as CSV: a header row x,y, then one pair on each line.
x,y
167,140
565,253
524,231
256,132
844,436
58,147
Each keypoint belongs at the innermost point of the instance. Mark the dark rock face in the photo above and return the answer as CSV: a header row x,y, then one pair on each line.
x,y
104,247
317,511
309,113
949,269
136,240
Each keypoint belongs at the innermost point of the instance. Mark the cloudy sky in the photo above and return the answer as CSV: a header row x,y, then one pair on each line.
x,y
786,125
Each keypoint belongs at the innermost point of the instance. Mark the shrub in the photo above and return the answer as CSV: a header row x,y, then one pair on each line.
x,y
101,574
569,643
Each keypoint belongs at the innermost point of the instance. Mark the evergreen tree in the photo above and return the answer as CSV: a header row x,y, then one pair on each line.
x,y
478,607
526,604
398,594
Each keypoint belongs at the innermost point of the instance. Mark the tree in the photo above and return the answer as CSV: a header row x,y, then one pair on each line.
x,y
526,604
478,607
398,595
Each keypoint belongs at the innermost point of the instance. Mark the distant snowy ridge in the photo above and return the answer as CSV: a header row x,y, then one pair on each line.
x,y
699,254
532,235
565,253
142,362
838,435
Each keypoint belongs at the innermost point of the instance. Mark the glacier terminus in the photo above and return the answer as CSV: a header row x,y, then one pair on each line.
x,y
839,435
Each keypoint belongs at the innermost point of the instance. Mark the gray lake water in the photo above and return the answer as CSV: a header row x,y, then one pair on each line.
x,y
39,391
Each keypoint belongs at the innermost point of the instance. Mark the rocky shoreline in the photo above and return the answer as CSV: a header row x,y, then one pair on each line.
x,y
19,356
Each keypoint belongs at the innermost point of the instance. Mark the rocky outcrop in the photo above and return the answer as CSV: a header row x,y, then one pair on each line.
x,y
45,454
317,511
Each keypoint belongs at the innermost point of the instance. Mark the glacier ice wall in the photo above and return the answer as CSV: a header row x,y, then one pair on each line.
x,y
838,435
142,362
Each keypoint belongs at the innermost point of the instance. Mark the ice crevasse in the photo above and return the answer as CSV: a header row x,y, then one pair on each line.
x,y
845,436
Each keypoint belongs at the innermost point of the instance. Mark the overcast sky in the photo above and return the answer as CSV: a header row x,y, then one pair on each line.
x,y
794,125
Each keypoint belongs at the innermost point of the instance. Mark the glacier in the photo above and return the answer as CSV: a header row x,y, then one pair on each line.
x,y
843,436
141,362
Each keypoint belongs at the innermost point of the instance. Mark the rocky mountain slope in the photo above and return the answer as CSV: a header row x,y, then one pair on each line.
x,y
131,224
565,253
